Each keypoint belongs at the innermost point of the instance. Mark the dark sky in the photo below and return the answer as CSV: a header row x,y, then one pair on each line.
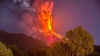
x,y
68,14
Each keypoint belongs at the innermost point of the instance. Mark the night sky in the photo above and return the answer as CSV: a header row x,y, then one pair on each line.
x,y
68,14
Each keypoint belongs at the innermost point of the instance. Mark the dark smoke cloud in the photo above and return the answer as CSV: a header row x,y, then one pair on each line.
x,y
18,20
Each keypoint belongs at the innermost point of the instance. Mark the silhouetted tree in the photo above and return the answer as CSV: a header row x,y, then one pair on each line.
x,y
4,51
81,42
16,51
40,52
60,49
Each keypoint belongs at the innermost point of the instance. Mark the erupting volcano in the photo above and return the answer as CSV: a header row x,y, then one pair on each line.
x,y
38,16
44,8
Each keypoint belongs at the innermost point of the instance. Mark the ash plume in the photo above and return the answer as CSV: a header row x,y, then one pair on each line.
x,y
31,17
21,16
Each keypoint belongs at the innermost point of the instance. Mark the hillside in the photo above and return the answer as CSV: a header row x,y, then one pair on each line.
x,y
21,40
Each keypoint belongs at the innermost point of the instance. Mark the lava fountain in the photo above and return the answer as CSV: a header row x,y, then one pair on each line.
x,y
44,11
37,14
44,14
37,19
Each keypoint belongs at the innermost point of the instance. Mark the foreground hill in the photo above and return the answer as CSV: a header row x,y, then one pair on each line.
x,y
21,40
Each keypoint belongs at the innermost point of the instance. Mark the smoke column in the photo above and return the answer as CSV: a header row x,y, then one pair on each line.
x,y
31,17
44,11
18,16
26,16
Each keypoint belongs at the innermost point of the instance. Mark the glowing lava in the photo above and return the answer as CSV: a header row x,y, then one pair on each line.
x,y
44,11
45,16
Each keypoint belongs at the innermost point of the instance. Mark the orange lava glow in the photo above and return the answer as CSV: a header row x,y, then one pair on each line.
x,y
45,16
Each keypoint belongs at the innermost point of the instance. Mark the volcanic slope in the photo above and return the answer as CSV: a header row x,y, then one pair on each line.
x,y
21,40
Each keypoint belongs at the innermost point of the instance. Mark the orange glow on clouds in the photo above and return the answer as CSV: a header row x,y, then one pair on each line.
x,y
45,16
44,11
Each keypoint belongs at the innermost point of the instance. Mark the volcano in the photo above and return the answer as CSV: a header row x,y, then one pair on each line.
x,y
44,11
39,13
